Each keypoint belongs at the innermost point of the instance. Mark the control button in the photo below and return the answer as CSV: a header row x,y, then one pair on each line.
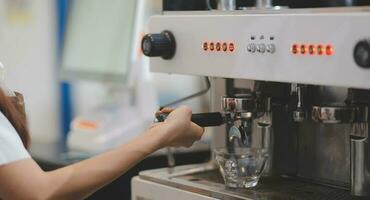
x,y
270,48
159,45
251,48
261,48
361,54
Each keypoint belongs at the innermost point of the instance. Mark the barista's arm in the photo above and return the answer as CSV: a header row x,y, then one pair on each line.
x,y
26,180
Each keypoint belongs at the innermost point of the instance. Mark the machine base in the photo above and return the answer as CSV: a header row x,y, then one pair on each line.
x,y
204,182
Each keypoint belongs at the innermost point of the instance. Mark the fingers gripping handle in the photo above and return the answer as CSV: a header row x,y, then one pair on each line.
x,y
201,119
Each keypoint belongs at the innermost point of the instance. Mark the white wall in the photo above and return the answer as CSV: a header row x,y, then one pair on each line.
x,y
27,49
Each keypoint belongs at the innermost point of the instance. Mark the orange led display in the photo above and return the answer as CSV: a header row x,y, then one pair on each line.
x,y
311,49
205,46
319,49
303,49
212,46
294,49
329,50
224,46
231,47
218,46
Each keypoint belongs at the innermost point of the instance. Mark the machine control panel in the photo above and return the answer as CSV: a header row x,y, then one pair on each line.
x,y
321,47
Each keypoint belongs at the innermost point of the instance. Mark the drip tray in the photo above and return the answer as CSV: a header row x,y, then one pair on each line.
x,y
206,180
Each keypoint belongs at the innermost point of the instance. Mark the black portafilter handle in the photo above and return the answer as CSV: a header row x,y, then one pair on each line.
x,y
208,119
201,119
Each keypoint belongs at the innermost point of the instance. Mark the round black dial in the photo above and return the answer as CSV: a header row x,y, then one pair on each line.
x,y
159,45
361,54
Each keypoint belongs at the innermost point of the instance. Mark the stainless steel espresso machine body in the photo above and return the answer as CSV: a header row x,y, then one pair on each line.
x,y
304,74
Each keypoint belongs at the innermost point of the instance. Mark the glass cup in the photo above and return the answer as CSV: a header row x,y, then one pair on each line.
x,y
242,167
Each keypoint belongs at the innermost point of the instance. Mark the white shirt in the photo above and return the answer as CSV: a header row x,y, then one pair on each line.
x,y
11,146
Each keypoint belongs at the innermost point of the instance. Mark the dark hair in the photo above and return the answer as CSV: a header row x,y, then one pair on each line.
x,y
12,110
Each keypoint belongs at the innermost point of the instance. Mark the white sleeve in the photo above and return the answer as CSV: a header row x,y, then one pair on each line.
x,y
11,146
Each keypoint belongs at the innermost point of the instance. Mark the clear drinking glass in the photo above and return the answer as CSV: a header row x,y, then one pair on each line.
x,y
242,167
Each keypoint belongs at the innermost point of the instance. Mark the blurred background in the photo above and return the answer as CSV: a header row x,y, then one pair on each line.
x,y
87,87
28,39
72,57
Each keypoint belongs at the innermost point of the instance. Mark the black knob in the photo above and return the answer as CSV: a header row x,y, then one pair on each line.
x,y
362,54
162,44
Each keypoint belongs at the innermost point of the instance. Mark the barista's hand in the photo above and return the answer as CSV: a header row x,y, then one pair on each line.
x,y
177,130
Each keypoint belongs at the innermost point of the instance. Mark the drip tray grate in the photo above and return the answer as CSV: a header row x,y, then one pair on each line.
x,y
275,188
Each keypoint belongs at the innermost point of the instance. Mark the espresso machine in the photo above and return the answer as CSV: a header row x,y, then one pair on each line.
x,y
295,82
